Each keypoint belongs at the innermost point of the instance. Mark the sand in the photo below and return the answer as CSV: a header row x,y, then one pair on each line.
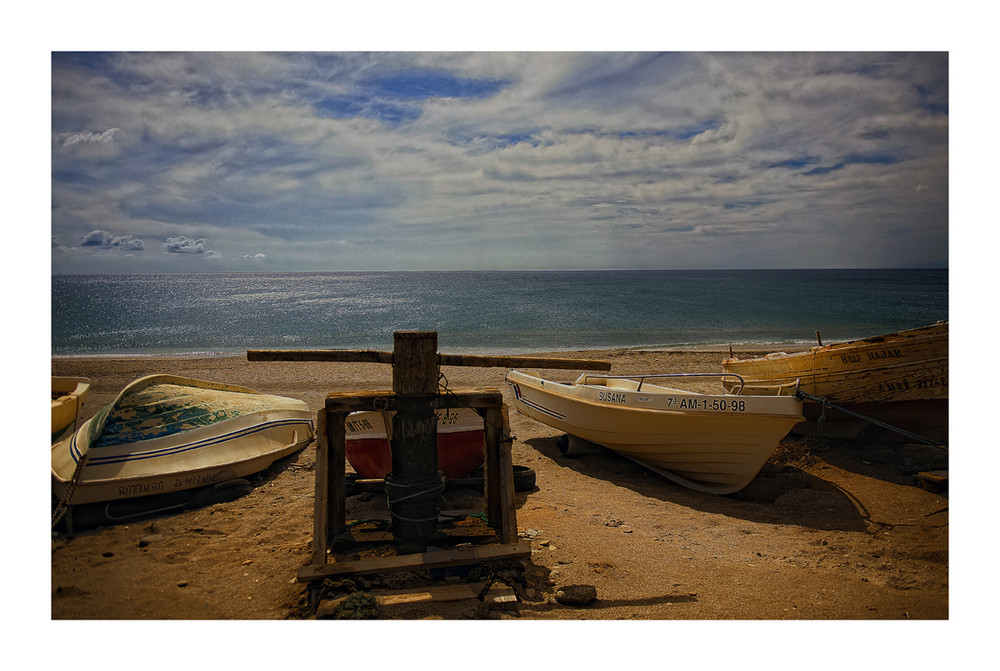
x,y
830,529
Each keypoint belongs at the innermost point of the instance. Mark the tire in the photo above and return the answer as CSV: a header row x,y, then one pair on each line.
x,y
524,479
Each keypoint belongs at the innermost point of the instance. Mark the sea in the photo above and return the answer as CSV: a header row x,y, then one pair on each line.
x,y
484,312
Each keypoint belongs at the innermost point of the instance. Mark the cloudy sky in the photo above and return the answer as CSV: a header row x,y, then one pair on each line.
x,y
299,161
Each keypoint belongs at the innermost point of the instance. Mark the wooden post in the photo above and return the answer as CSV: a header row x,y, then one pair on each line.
x,y
499,472
414,486
329,508
320,503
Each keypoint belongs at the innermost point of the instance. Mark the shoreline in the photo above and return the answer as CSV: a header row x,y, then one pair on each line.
x,y
828,530
754,348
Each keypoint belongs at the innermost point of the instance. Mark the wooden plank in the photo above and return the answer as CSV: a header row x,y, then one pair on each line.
x,y
501,361
337,489
481,361
416,562
933,481
322,495
322,355
358,401
469,398
430,594
499,472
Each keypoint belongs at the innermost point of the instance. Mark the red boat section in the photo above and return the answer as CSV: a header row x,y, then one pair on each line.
x,y
459,453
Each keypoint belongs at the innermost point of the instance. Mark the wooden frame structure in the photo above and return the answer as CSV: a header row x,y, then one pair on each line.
x,y
414,396
330,510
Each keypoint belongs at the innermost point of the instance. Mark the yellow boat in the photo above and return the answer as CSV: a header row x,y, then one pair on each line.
x,y
68,396
900,379
714,443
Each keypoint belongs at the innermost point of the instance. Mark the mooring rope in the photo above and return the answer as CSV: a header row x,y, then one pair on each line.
x,y
825,403
63,505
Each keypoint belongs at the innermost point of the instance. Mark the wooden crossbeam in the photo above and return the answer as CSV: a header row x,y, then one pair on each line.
x,y
359,401
479,361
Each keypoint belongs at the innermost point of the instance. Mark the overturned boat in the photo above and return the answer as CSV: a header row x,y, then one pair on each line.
x,y
714,443
166,434
900,379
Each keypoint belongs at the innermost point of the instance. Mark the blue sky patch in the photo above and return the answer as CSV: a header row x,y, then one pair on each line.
x,y
423,84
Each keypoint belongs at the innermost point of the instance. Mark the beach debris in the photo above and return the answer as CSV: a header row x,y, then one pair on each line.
x,y
150,539
357,606
500,595
576,595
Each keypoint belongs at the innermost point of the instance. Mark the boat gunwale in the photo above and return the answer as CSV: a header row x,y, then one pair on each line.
x,y
563,390
911,335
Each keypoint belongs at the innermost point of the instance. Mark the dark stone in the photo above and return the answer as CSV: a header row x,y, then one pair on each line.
x,y
576,595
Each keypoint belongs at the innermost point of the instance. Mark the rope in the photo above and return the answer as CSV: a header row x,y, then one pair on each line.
x,y
824,403
413,495
63,505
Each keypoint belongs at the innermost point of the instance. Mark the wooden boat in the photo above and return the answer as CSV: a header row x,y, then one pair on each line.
x,y
900,379
68,396
461,443
166,434
710,443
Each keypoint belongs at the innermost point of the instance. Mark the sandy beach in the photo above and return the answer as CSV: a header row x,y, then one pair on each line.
x,y
830,529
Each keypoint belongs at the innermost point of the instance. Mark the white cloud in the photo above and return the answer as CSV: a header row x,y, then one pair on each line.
x,y
680,146
185,245
87,137
106,240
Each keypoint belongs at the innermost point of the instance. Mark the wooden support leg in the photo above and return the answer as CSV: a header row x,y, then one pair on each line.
x,y
320,510
329,506
337,447
499,472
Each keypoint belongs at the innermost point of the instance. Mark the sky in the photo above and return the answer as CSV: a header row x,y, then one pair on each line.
x,y
191,161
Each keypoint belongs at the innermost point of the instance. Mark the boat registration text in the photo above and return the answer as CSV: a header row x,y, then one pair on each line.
x,y
714,404
680,402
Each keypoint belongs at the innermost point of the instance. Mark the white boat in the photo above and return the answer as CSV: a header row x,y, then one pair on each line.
x,y
461,442
714,443
166,434
68,396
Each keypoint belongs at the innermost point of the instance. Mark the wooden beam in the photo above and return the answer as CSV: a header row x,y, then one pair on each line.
x,y
480,361
497,361
320,510
416,562
358,401
434,593
328,355
499,476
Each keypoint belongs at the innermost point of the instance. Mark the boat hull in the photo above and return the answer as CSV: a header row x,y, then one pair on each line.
x,y
174,445
710,443
900,379
68,396
461,443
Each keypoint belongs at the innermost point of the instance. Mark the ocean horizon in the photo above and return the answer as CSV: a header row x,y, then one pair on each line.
x,y
487,312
